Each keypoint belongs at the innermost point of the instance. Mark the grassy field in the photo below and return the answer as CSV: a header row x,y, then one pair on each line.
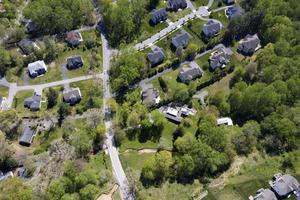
x,y
220,16
198,3
174,16
18,102
3,91
217,4
53,74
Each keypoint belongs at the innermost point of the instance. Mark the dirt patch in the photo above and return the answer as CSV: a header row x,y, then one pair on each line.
x,y
142,151
110,194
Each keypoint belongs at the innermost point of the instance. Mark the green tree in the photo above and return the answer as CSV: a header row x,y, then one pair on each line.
x,y
89,192
52,96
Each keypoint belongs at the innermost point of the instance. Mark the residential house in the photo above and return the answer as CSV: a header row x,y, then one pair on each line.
x,y
175,5
249,44
150,97
33,103
212,28
73,38
225,121
72,96
37,68
31,27
180,40
158,16
176,112
27,46
220,58
156,57
189,73
6,176
284,185
264,194
74,62
27,136
229,2
234,11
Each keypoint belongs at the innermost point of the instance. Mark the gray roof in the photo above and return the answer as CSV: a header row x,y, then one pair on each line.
x,y
159,15
27,136
189,73
26,46
219,58
176,4
1,99
73,38
234,11
211,28
149,96
33,103
249,44
284,185
74,62
265,194
37,68
156,56
72,96
229,1
181,40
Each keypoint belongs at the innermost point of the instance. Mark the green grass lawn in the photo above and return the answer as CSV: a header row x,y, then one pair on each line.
x,y
217,4
53,74
4,91
174,16
18,102
15,75
198,3
220,15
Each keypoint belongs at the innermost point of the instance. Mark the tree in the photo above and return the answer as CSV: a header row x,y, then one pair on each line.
x,y
191,51
15,189
89,192
82,144
63,111
56,190
52,96
84,178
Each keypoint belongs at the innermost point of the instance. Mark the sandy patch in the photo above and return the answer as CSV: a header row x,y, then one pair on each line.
x,y
109,195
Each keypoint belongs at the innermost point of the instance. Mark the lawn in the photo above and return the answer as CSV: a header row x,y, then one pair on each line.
x,y
174,16
220,15
18,102
53,74
217,4
199,3
3,91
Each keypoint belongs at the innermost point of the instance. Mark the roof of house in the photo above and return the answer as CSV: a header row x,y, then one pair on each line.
x,y
181,40
36,66
249,44
234,11
150,96
72,95
33,102
156,56
74,62
26,45
176,4
284,184
73,38
229,1
159,15
211,28
189,73
27,136
219,58
265,194
225,120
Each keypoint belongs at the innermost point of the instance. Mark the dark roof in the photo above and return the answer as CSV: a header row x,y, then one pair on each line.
x,y
74,62
189,73
27,136
73,38
234,11
31,27
181,40
219,58
284,185
228,1
249,44
158,15
176,4
1,98
26,46
72,96
211,28
33,103
156,56
265,194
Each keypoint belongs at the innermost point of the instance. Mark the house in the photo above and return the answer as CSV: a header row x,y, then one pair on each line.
x,y
189,73
219,58
180,40
33,103
264,194
284,185
229,2
6,176
212,28
175,112
150,97
249,44
37,68
74,62
31,27
225,121
234,11
27,46
73,38
27,136
175,5
72,96
158,16
156,57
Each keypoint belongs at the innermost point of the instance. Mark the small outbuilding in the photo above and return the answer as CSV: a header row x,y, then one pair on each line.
x,y
74,62
72,96
33,103
73,38
27,136
212,28
180,40
156,57
37,68
249,45
158,16
189,73
175,5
